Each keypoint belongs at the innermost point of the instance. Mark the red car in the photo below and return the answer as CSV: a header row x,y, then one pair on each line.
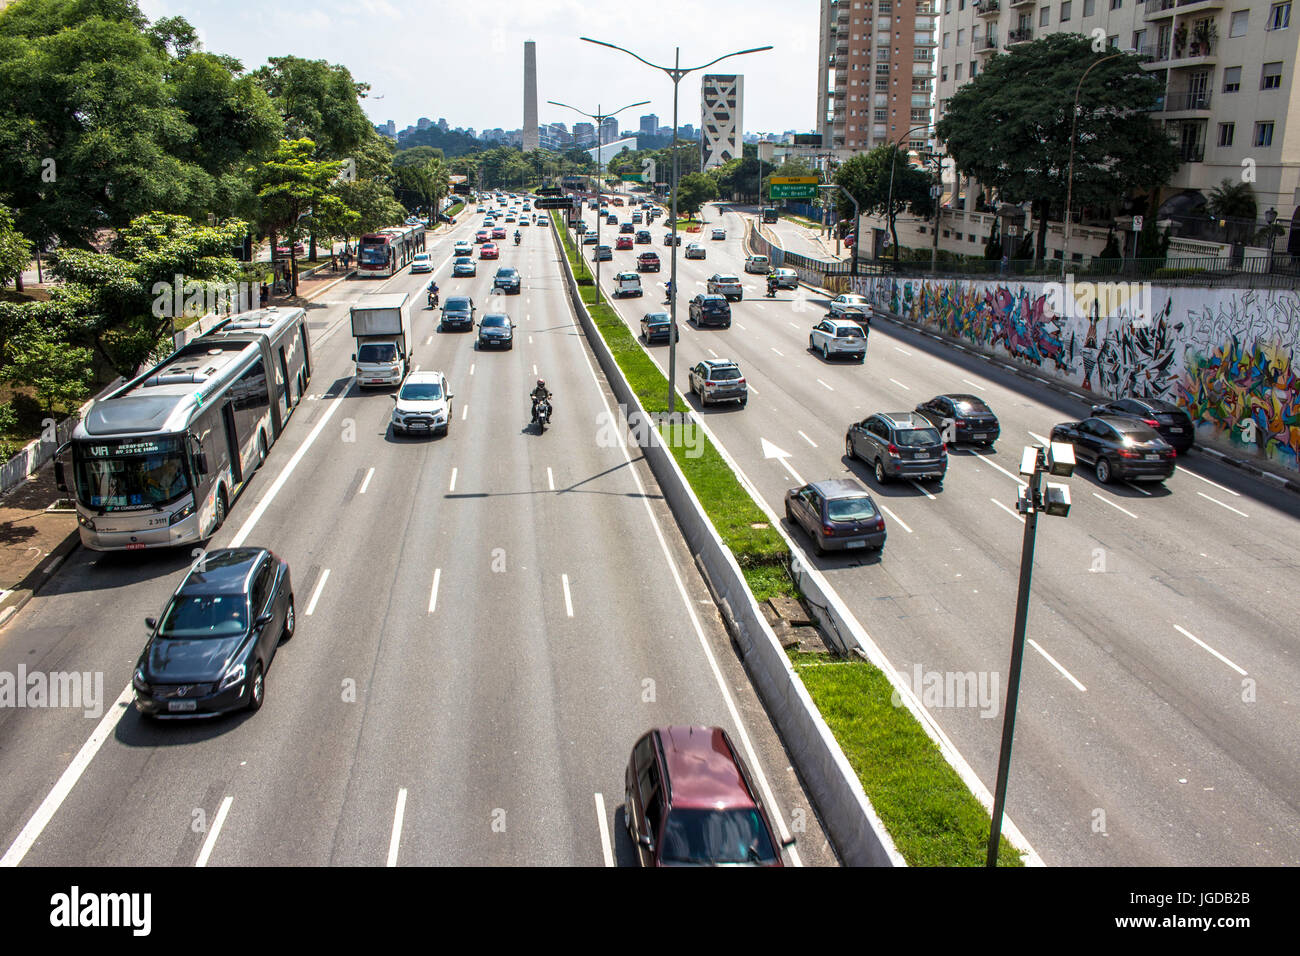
x,y
489,251
498,232
692,802
482,236
623,242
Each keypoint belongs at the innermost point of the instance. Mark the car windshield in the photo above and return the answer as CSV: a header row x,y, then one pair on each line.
x,y
506,273
731,279
917,436
716,836
968,405
464,261
377,352
197,616
654,317
494,321
850,509
457,305
155,475
420,392
724,374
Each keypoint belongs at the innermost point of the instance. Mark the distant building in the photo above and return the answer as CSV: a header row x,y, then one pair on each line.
x,y
442,123
609,130
606,151
530,137
721,110
423,122
649,124
686,131
584,135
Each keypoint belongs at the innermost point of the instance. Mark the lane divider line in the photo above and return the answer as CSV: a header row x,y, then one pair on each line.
x,y
395,840
217,823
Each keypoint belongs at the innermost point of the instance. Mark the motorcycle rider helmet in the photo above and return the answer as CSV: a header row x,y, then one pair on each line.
x,y
541,383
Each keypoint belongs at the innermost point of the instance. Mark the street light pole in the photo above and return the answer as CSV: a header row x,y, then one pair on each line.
x,y
675,73
1069,181
889,205
853,268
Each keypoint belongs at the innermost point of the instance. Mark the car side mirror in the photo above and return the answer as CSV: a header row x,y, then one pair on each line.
x,y
60,480
354,356
151,623
1096,409
264,619
394,398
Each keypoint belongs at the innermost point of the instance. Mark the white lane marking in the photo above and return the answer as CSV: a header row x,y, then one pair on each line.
x,y
1052,660
900,384
568,598
1222,505
894,517
807,439
464,411
429,340
550,478
315,595
975,384
904,351
453,480
472,366
217,823
1196,640
987,461
283,477
433,592
713,353
739,326
1008,510
778,352
606,851
1113,505
31,832
1207,481
1045,442
792,325
530,340
751,387
824,385
917,485
1138,488
415,368
534,369
366,483
741,732
395,840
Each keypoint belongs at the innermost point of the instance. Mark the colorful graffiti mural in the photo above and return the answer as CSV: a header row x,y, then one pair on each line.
x,y
1228,356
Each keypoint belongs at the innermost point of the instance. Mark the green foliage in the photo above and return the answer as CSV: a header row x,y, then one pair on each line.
x,y
884,183
694,190
319,102
291,185
59,373
15,251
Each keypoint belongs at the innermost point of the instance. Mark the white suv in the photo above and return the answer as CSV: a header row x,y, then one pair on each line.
x,y
838,337
728,286
422,405
758,265
719,234
627,283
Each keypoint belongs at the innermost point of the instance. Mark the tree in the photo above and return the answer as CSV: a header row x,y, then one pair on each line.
x,y
694,191
1027,96
868,178
319,101
59,373
15,250
1233,202
291,185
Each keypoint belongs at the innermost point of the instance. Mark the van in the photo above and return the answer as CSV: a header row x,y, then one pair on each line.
x,y
626,284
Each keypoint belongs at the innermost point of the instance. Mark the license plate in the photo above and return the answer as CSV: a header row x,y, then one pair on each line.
x,y
377,381
1153,457
855,544
176,706
135,546
1176,431
979,435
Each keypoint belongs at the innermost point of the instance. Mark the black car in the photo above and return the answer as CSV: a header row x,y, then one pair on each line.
x,y
211,649
496,330
643,237
1119,447
718,380
898,445
656,326
838,514
709,309
668,239
589,238
1170,422
971,420
627,228
457,313
507,280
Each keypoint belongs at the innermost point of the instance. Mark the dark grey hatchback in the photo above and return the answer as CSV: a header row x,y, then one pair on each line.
x,y
898,445
210,651
838,514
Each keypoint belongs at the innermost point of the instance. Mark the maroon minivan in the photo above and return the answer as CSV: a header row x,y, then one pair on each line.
x,y
690,801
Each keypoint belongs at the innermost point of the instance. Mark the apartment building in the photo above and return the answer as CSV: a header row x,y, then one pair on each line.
x,y
722,103
1227,68
875,75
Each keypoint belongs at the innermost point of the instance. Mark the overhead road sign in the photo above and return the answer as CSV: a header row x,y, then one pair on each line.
x,y
793,180
797,191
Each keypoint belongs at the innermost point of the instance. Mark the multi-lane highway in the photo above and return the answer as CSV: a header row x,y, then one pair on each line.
x,y
1158,708
486,624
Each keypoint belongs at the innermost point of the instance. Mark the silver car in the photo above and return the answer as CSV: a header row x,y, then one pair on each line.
x,y
422,405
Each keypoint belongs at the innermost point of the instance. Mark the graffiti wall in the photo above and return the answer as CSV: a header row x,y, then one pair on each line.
x,y
1230,357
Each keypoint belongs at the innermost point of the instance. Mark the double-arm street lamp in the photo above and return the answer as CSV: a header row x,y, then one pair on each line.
x,y
1069,179
600,118
675,73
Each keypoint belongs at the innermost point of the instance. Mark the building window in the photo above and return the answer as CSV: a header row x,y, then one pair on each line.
x,y
1139,40
945,40
1089,7
1113,42
1116,4
943,74
1232,79
1044,16
1225,133
961,37
1065,11
956,72
1263,134
947,7
1279,16
1238,24
974,69
1271,78
881,116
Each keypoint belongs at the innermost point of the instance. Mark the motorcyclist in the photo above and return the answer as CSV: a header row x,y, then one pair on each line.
x,y
668,291
540,394
771,287
433,293
517,237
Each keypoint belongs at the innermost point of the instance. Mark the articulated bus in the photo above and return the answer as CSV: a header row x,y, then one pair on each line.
x,y
385,253
158,461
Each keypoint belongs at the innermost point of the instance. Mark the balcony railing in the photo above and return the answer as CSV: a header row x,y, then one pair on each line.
x,y
1187,101
991,8
1191,152
1023,35
1154,53
1154,7
987,44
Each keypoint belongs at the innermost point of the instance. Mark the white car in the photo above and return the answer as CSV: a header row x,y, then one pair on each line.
x,y
719,234
849,304
463,248
785,278
757,265
421,263
727,286
627,283
422,405
695,251
838,337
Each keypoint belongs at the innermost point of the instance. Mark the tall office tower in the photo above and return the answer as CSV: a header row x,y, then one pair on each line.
x,y
721,104
875,73
609,130
649,125
584,135
531,137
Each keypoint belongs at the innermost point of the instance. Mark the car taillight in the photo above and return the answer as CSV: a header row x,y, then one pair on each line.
x,y
1150,421
740,382
893,449
1173,453
1125,453
828,530
880,524
943,449
959,422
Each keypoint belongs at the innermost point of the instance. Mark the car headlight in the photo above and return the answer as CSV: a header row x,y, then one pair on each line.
x,y
233,677
138,680
87,523
182,514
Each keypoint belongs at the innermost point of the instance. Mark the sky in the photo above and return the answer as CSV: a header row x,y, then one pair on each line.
x,y
465,60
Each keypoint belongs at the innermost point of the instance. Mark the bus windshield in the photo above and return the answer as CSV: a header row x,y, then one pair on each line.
x,y
126,475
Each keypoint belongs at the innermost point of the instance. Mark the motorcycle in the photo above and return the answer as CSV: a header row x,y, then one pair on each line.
x,y
541,414
771,290
433,300
517,237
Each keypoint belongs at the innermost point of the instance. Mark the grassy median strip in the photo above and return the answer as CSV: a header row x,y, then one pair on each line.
x,y
927,809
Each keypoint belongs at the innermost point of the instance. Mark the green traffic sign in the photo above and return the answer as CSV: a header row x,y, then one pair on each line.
x,y
632,178
793,192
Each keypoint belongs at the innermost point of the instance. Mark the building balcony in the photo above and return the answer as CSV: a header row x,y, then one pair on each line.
x,y
1023,3
1158,9
925,42
990,8
1015,37
1190,152
1187,102
923,71
986,45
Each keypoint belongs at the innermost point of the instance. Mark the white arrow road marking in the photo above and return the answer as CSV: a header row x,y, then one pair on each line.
x,y
771,451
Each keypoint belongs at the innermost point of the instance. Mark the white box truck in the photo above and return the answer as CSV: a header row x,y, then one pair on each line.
x,y
381,325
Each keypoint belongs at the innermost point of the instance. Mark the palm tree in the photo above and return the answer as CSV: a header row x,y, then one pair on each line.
x,y
1233,202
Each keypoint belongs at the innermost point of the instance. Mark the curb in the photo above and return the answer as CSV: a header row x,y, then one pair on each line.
x,y
29,586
